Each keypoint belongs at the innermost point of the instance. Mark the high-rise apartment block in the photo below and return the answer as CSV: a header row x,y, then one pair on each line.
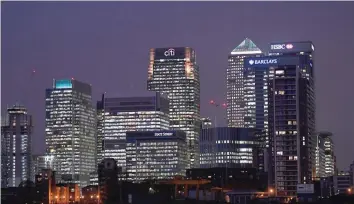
x,y
174,71
116,116
71,130
16,150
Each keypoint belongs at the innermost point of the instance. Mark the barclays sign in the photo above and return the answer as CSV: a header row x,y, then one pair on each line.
x,y
262,61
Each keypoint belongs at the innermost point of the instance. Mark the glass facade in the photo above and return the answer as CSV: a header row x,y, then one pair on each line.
x,y
156,155
71,130
16,151
292,119
321,148
229,147
116,116
330,165
235,82
174,71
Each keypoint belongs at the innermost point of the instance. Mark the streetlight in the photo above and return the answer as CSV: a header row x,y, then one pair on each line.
x,y
349,190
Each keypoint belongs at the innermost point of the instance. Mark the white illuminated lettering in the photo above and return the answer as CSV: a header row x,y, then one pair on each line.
x,y
163,134
278,47
264,61
170,52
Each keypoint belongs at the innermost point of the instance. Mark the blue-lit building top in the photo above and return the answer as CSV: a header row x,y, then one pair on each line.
x,y
62,84
229,147
156,155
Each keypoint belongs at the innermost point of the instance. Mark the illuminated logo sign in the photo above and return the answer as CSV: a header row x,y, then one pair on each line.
x,y
282,46
170,52
163,134
263,61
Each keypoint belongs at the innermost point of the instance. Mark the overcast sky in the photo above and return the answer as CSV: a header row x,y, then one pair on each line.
x,y
107,44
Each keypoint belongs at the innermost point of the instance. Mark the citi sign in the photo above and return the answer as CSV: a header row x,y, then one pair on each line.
x,y
263,61
170,52
281,47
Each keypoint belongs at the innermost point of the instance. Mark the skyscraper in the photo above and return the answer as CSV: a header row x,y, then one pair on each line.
x,y
235,82
156,155
16,151
70,130
330,159
120,115
174,71
291,99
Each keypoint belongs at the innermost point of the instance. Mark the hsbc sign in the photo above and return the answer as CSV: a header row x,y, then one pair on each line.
x,y
282,47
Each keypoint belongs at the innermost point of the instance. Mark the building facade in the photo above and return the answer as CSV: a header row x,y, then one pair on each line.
x,y
324,155
342,183
235,82
330,159
291,114
16,151
120,115
71,130
40,162
206,123
320,169
174,71
156,155
229,147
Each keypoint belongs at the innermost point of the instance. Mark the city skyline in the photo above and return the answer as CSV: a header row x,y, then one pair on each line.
x,y
94,52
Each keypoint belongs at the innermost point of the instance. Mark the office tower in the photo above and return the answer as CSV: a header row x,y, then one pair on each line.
x,y
291,115
330,160
99,137
71,130
156,155
206,123
229,147
320,170
119,115
235,82
16,150
174,71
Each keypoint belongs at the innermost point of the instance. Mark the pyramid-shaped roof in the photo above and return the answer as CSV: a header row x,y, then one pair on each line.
x,y
246,47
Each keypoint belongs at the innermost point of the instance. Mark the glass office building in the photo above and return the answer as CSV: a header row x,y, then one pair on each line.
x,y
235,82
16,150
156,155
229,147
71,130
174,71
291,114
116,116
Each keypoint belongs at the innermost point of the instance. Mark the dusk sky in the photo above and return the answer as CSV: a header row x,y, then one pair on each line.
x,y
107,44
